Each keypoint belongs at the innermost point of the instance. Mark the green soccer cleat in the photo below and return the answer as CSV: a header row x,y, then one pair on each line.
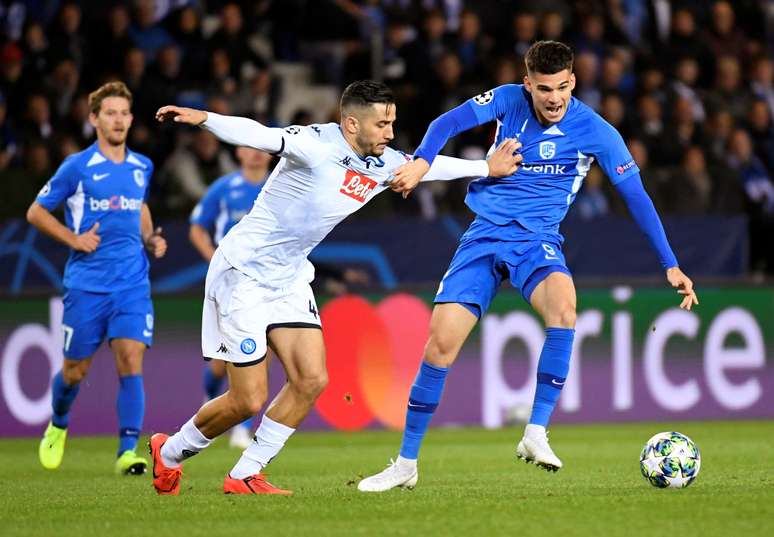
x,y
51,449
129,463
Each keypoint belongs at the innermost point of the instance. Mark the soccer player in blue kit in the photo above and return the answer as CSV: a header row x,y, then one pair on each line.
x,y
515,235
107,226
224,204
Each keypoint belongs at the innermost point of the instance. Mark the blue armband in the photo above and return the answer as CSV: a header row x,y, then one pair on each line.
x,y
444,127
644,213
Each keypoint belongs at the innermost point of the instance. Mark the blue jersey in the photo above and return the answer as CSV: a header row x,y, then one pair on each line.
x,y
556,159
225,203
97,189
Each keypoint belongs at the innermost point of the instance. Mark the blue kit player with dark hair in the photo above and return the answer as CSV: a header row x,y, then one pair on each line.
x,y
108,226
515,235
224,204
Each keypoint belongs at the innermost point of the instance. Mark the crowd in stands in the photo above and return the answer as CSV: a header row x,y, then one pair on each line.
x,y
689,84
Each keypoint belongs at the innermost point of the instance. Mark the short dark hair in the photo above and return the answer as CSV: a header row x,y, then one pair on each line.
x,y
548,57
365,93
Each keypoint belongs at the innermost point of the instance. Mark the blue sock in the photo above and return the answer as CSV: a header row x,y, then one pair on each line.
x,y
553,366
247,424
212,384
131,411
423,400
62,397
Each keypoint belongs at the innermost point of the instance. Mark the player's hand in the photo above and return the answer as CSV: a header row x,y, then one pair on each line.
x,y
88,241
407,177
505,160
179,114
156,244
684,286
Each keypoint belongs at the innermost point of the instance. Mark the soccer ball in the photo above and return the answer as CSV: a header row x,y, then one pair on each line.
x,y
670,460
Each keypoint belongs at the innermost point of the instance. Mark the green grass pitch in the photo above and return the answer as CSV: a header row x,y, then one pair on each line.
x,y
470,484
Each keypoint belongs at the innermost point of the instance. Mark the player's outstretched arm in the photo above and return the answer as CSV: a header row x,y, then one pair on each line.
x,y
45,222
180,114
644,213
504,161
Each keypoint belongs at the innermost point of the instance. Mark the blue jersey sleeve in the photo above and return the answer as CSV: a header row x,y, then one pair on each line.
x,y
483,108
148,182
206,211
605,143
646,217
61,186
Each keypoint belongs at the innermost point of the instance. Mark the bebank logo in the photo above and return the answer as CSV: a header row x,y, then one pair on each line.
x,y
373,352
115,203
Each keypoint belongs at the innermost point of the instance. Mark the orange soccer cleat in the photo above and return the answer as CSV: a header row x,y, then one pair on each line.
x,y
253,484
166,480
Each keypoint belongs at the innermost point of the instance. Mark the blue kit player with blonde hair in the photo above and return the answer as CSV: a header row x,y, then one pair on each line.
x,y
108,227
515,235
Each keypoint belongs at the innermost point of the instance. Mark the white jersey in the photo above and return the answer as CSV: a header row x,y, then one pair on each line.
x,y
319,181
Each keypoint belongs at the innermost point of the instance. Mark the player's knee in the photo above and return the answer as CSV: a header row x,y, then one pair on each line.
x,y
249,405
440,350
311,386
74,374
563,317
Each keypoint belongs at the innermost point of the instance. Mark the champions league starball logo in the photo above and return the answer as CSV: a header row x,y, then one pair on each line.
x,y
483,98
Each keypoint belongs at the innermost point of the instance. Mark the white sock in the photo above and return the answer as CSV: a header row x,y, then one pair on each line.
x,y
185,443
406,463
534,429
269,440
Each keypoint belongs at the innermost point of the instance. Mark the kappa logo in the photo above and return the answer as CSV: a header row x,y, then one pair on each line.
x,y
547,150
484,98
357,186
222,348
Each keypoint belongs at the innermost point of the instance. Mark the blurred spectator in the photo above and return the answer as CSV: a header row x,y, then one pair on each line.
x,y
77,123
114,40
552,26
717,131
62,85
472,47
232,38
690,185
36,51
67,40
724,38
8,147
686,76
762,80
759,124
146,33
524,33
193,48
21,184
727,92
685,40
612,108
190,170
759,190
37,124
11,83
650,128
586,76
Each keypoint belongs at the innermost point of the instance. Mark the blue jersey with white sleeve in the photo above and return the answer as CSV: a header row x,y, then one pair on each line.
x,y
97,189
225,203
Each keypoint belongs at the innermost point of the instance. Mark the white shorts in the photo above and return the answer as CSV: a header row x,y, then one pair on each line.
x,y
238,313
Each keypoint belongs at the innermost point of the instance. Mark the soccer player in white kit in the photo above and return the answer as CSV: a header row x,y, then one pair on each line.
x,y
257,290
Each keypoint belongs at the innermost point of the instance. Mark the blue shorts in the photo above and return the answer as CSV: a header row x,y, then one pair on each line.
x,y
91,317
488,254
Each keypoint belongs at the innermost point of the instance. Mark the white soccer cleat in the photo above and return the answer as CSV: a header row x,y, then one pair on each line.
x,y
240,437
533,448
396,475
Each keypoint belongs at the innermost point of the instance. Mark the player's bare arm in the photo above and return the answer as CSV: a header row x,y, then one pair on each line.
x,y
151,238
43,220
684,286
179,114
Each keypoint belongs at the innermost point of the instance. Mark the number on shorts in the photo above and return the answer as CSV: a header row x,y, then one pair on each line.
x,y
68,336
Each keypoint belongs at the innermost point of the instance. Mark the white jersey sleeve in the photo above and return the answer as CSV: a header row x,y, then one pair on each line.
x,y
448,168
294,143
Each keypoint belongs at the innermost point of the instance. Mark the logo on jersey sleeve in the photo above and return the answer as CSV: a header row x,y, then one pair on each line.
x,y
357,186
45,190
293,130
629,165
547,150
484,98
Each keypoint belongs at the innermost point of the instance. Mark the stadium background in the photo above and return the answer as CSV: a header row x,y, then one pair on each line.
x,y
689,84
